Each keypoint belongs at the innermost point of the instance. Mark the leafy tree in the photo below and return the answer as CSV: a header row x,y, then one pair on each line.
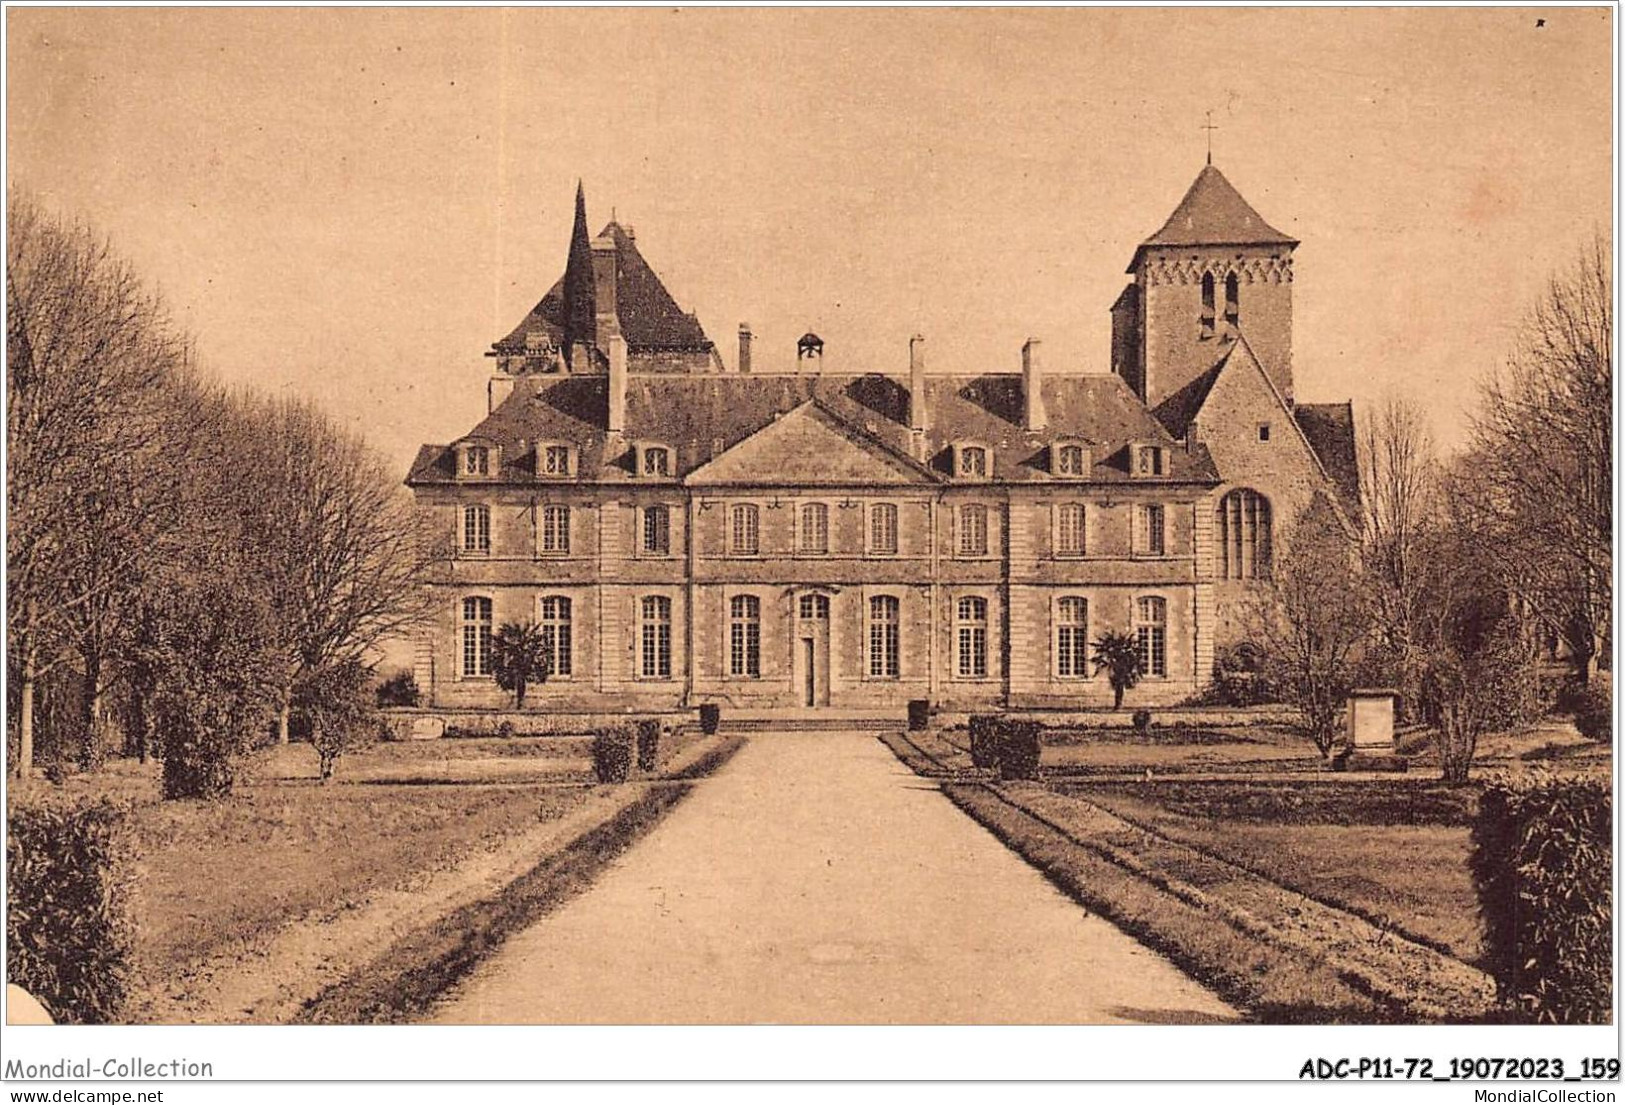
x,y
213,654
400,689
520,655
1118,654
340,703
1314,618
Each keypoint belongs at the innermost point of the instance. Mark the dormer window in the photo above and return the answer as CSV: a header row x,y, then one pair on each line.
x,y
1071,459
555,460
476,461
654,460
1150,460
971,462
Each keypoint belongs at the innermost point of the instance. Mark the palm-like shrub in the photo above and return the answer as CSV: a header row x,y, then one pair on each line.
x,y
520,655
1118,655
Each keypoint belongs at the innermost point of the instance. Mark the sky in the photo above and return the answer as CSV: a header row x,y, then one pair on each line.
x,y
352,204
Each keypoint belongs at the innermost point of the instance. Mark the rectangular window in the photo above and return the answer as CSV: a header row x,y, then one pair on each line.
x,y
745,535
972,460
656,637
1152,635
745,636
656,461
1072,638
476,461
884,637
1069,536
883,529
814,608
971,626
1149,460
556,460
1153,530
555,626
476,529
476,637
973,530
555,529
814,537
1070,460
657,530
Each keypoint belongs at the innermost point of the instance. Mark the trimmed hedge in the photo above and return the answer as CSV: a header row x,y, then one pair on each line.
x,y
1541,862
68,927
612,751
1017,748
648,743
919,715
710,718
1142,720
984,734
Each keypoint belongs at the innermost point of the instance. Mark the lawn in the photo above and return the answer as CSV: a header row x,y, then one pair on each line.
x,y
215,880
1392,851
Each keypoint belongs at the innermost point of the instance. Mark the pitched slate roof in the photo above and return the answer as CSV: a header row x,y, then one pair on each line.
x,y
1213,213
1330,430
650,318
701,416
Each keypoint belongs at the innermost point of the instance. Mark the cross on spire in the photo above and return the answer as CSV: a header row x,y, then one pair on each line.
x,y
1210,128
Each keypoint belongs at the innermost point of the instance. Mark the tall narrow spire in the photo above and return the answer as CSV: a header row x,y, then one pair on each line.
x,y
580,303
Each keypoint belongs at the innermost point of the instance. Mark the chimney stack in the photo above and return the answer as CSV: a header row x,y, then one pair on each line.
x,y
744,347
616,422
1032,387
916,383
500,387
605,262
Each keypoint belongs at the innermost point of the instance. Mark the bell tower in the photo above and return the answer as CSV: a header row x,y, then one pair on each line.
x,y
1214,271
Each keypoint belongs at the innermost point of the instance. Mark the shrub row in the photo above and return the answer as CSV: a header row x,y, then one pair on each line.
x,y
1010,744
1541,863
68,928
1592,707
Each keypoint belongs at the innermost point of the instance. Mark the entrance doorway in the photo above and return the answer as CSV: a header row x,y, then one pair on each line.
x,y
812,650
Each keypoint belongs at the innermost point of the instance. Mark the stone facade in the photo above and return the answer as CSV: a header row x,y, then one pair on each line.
x,y
858,540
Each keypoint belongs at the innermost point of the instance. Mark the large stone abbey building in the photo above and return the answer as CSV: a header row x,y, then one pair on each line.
x,y
686,534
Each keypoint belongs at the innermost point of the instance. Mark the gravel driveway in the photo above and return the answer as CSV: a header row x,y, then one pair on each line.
x,y
814,879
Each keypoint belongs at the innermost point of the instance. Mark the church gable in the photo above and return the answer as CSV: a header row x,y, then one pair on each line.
x,y
1253,438
811,447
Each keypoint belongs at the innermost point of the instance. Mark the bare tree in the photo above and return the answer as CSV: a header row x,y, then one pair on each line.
x,y
1542,460
89,353
1313,619
1399,483
340,547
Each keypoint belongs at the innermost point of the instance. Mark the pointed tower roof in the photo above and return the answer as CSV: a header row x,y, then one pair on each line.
x,y
650,318
580,306
1212,214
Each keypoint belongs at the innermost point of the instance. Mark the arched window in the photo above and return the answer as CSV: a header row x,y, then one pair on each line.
x,y
972,460
1151,631
657,529
476,529
555,626
970,625
1072,637
1244,535
884,637
656,460
1207,304
655,637
744,538
814,528
476,637
1232,300
745,636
